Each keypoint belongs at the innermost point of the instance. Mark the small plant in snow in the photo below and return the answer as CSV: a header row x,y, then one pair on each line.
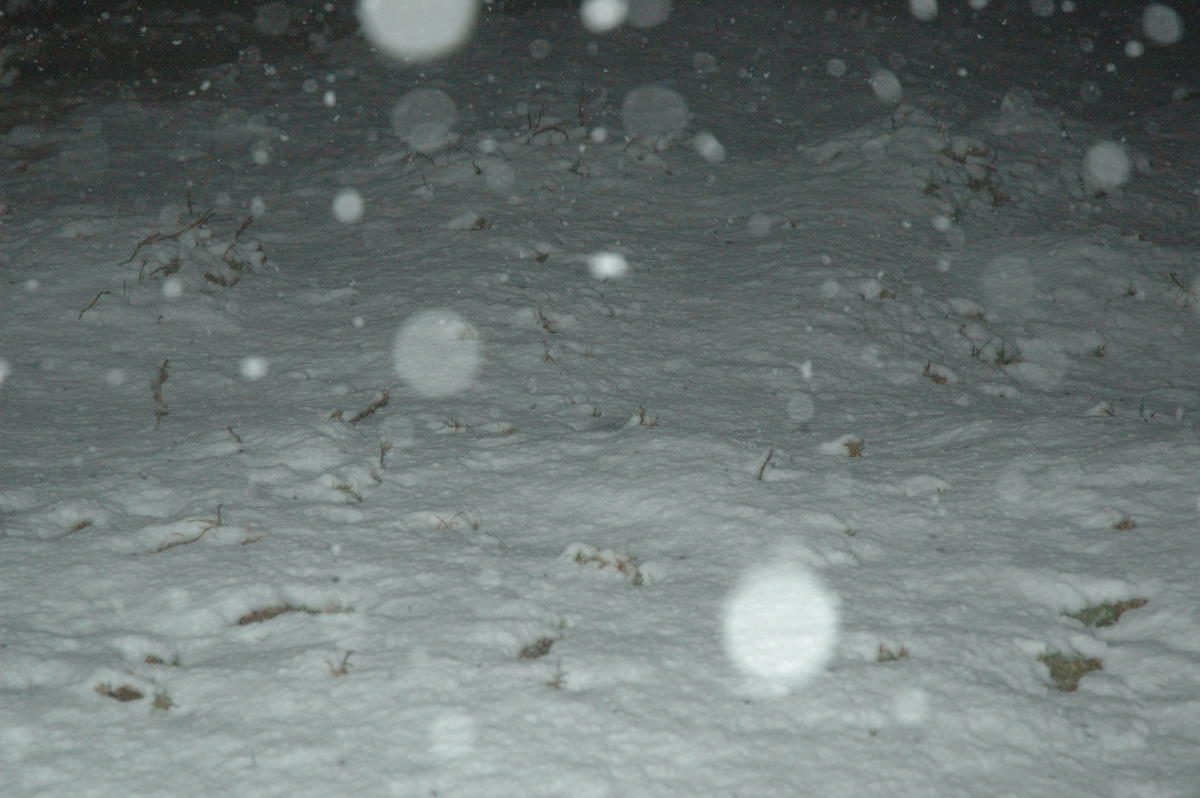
x,y
153,659
447,522
342,668
642,419
221,260
124,693
275,610
559,679
156,386
1106,613
887,655
621,563
848,445
1125,524
537,649
1184,294
1066,671
349,490
1006,358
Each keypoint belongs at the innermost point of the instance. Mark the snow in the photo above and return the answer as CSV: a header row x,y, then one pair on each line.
x,y
676,410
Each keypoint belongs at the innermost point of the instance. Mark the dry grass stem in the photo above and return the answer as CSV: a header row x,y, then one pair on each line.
x,y
92,304
156,386
382,401
762,468
123,693
342,668
154,238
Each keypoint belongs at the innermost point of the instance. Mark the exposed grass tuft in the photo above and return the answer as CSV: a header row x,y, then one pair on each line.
x,y
1066,671
342,668
275,610
623,564
537,649
154,659
887,655
1106,613
123,693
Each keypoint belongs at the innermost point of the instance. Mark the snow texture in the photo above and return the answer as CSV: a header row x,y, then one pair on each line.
x,y
749,399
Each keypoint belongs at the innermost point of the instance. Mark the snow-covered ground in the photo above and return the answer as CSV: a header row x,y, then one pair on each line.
x,y
768,400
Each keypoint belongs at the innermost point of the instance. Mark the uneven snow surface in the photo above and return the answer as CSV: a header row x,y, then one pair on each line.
x,y
779,399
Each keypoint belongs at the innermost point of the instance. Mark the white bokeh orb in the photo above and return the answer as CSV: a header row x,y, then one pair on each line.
x,y
1162,24
655,112
924,10
780,626
424,119
886,86
1108,165
253,368
709,147
417,30
347,206
437,353
172,287
601,16
608,265
648,13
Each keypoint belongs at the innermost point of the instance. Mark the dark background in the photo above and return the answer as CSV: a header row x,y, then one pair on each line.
x,y
83,41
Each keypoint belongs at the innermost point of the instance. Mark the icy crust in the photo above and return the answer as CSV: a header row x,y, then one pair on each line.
x,y
912,379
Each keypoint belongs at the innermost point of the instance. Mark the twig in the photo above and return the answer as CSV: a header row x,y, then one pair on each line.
x,y
548,129
92,304
1185,296
762,468
242,227
180,540
156,386
154,238
446,523
535,126
559,677
209,523
643,419
342,668
371,408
